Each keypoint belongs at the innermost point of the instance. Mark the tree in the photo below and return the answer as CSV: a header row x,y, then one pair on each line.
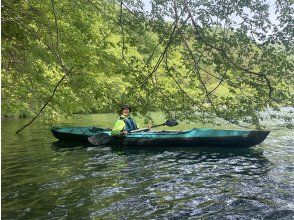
x,y
239,62
192,60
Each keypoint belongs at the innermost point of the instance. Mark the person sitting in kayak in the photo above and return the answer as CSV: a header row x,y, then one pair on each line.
x,y
124,123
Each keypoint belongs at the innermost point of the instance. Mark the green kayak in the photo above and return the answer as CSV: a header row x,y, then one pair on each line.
x,y
202,137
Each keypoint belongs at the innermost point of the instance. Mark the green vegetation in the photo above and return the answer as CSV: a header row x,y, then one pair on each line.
x,y
191,60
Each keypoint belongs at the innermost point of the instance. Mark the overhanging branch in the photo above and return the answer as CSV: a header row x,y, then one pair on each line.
x,y
47,102
270,88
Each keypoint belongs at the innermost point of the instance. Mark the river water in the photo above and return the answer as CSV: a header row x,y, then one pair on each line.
x,y
45,179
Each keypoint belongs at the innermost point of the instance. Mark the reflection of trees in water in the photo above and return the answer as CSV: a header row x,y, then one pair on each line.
x,y
201,182
183,182
68,145
220,161
216,161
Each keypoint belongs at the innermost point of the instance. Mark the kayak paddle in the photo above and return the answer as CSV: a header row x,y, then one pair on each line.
x,y
169,123
99,139
103,138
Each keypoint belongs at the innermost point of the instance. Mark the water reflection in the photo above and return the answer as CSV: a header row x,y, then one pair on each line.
x,y
221,152
47,179
67,145
180,182
220,161
233,157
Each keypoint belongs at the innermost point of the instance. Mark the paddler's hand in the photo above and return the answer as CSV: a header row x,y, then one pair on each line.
x,y
124,132
149,125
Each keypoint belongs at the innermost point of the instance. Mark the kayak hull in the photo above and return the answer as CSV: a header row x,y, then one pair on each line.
x,y
190,138
76,134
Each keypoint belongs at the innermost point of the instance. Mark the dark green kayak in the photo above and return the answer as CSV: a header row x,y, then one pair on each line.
x,y
203,137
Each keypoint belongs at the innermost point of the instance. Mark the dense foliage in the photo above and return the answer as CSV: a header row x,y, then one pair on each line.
x,y
194,60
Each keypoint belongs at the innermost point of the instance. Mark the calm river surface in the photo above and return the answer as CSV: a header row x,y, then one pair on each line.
x,y
44,179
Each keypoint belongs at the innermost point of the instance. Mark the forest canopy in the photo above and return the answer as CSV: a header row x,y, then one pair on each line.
x,y
193,60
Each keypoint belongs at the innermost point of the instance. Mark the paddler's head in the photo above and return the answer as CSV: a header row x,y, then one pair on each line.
x,y
125,110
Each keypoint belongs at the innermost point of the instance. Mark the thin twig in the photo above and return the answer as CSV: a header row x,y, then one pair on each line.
x,y
47,102
123,34
56,25
154,49
270,88
180,87
172,35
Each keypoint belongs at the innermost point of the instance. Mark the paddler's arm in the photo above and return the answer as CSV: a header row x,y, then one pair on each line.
x,y
118,127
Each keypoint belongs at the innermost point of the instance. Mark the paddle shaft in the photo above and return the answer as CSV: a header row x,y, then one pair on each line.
x,y
144,129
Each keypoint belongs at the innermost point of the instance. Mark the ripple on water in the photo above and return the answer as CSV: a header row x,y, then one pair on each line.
x,y
42,181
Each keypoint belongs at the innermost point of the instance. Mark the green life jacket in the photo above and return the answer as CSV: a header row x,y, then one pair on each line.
x,y
129,122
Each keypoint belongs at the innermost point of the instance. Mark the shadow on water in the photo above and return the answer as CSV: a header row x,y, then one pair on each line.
x,y
222,152
68,145
232,156
180,151
238,156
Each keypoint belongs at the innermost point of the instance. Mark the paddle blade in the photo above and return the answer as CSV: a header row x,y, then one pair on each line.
x,y
99,139
171,123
